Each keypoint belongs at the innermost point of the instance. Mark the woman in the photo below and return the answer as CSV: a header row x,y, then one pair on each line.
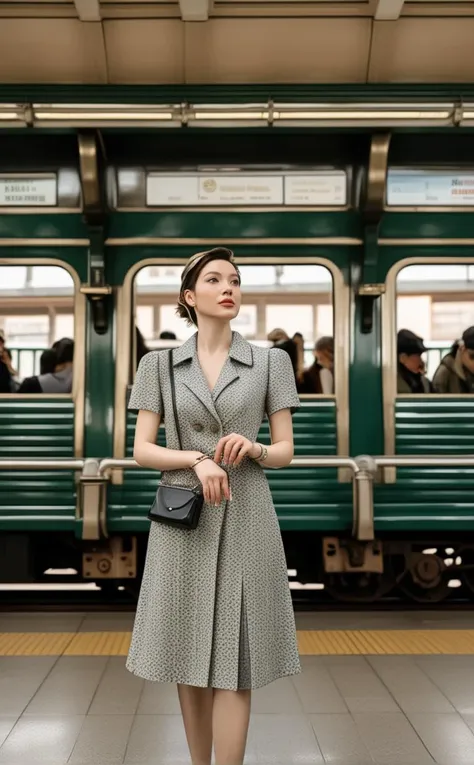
x,y
298,340
319,378
8,384
455,374
215,613
280,339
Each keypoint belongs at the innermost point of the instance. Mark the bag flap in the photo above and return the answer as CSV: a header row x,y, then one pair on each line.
x,y
174,497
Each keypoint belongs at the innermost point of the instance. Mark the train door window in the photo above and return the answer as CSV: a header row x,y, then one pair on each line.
x,y
290,304
435,329
36,329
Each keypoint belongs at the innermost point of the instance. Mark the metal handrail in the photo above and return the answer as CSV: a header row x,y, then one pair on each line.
x,y
408,460
42,464
329,462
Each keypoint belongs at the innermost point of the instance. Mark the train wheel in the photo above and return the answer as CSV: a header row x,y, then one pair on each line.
x,y
424,580
363,587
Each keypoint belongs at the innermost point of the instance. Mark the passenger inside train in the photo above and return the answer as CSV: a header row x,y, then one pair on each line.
x,y
60,359
410,374
7,372
319,377
455,374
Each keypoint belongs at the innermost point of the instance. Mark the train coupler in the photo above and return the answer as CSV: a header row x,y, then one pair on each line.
x,y
341,556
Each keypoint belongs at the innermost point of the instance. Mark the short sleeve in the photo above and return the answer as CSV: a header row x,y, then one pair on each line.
x,y
146,392
281,391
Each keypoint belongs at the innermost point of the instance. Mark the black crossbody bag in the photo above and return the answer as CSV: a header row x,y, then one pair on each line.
x,y
176,505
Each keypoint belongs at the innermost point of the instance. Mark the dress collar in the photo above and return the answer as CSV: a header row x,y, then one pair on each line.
x,y
240,350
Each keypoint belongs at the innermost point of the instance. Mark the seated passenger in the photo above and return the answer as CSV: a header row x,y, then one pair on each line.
x,y
298,340
48,361
410,374
141,346
319,378
59,381
280,339
455,374
7,373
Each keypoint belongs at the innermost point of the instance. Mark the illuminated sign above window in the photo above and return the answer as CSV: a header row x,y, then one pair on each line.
x,y
28,191
430,188
225,189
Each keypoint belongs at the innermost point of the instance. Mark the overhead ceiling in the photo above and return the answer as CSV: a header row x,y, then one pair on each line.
x,y
235,41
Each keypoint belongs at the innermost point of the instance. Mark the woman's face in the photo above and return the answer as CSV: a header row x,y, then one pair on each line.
x,y
324,358
217,293
467,359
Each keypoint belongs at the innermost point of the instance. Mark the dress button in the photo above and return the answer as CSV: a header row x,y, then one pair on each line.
x,y
197,427
214,428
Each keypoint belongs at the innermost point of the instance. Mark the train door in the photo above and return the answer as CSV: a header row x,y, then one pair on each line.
x,y
43,261
425,510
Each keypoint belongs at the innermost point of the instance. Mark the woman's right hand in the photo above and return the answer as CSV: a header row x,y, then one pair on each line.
x,y
215,481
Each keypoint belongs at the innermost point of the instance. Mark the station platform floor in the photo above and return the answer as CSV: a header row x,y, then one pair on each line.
x,y
376,687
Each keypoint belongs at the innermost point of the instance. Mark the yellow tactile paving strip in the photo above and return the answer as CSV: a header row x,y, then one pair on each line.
x,y
310,643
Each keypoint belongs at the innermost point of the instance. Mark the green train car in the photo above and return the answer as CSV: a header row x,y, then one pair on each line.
x,y
349,211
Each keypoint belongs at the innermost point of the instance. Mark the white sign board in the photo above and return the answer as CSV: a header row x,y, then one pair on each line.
x,y
27,191
429,188
250,189
201,190
324,189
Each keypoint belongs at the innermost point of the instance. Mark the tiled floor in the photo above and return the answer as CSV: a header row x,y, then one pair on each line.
x,y
343,710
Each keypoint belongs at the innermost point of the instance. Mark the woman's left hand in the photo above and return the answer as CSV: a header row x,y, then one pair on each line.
x,y
233,448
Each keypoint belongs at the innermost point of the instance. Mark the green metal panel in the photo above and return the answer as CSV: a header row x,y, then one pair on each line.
x,y
234,225
304,498
46,226
430,498
41,500
118,94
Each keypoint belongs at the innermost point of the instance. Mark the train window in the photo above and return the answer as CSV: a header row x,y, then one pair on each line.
x,y
435,329
36,329
279,301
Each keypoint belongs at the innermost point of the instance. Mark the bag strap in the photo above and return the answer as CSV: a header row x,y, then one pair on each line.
x,y
173,396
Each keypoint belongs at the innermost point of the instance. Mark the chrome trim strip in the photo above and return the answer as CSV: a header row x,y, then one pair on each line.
x,y
438,242
44,242
39,210
223,209
144,240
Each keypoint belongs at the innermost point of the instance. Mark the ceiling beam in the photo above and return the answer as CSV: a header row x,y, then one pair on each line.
x,y
195,10
388,10
88,10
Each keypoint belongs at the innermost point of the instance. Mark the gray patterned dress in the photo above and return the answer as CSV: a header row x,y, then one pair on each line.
x,y
215,608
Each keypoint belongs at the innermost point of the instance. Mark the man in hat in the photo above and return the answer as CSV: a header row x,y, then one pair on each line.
x,y
410,377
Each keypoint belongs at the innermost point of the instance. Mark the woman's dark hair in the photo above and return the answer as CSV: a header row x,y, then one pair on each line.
x,y
190,276
140,345
325,343
48,361
64,350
